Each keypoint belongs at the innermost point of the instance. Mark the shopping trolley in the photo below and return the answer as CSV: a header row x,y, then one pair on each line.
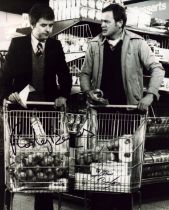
x,y
109,150
36,148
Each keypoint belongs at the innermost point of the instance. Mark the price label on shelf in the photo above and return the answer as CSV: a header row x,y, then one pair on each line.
x,y
165,85
162,54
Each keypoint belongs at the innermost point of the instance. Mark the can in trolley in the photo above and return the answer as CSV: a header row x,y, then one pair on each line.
x,y
36,149
110,157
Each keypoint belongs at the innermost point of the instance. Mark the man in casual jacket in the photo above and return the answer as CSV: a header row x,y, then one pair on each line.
x,y
39,61
115,60
114,64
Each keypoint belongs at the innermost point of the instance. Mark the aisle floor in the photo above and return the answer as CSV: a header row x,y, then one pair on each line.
x,y
154,205
160,203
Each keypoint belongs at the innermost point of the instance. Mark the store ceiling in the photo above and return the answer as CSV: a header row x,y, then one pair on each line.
x,y
18,6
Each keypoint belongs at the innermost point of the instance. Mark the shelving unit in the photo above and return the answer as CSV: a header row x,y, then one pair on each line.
x,y
74,35
157,134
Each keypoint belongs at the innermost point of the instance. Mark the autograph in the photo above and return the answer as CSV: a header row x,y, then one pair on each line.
x,y
101,178
48,141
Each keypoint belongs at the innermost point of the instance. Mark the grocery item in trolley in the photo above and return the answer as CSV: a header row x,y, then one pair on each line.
x,y
36,150
125,148
110,158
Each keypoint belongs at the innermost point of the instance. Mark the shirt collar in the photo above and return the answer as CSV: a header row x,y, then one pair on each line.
x,y
114,42
35,42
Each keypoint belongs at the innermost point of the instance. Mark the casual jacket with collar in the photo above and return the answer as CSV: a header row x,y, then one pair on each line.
x,y
135,56
17,71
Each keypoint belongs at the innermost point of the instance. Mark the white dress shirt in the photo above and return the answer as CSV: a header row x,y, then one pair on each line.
x,y
35,42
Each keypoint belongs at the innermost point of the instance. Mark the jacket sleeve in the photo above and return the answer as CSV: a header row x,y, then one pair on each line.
x,y
87,70
153,66
7,73
64,76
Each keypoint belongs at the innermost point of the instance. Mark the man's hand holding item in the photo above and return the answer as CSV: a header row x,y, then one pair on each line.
x,y
145,102
96,97
94,94
60,102
14,97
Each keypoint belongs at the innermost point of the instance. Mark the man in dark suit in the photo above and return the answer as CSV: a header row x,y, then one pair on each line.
x,y
37,60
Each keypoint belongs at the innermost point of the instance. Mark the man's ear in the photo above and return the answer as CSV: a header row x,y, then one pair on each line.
x,y
120,23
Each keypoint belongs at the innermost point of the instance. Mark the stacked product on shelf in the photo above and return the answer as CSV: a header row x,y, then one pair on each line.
x,y
158,126
156,164
69,9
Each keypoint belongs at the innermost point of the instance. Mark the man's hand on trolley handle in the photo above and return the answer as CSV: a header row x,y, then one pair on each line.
x,y
145,102
60,102
96,96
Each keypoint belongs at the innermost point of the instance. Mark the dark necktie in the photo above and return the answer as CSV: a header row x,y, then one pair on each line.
x,y
39,49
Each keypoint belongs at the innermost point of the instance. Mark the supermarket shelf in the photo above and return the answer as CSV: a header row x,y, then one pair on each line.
x,y
62,25
24,31
149,31
127,2
149,181
153,136
156,163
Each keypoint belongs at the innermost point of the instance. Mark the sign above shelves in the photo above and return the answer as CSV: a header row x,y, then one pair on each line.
x,y
156,8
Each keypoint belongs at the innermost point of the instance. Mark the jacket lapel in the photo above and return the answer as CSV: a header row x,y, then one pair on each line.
x,y
27,53
100,69
123,56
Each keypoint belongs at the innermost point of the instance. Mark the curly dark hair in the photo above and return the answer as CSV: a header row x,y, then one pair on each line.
x,y
119,12
40,11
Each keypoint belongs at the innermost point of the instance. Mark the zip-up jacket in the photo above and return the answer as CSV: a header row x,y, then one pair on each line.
x,y
135,56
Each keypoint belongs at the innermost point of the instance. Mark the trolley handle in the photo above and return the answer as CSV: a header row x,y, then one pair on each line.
x,y
47,103
113,106
33,103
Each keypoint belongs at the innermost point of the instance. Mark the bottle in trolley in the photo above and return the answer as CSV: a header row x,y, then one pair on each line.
x,y
36,150
110,157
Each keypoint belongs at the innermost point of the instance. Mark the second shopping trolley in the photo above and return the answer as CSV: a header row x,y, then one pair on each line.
x,y
109,150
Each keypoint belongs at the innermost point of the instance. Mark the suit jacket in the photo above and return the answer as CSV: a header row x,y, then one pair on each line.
x,y
17,71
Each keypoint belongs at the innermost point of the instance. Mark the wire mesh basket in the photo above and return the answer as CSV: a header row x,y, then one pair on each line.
x,y
109,151
36,150
75,39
